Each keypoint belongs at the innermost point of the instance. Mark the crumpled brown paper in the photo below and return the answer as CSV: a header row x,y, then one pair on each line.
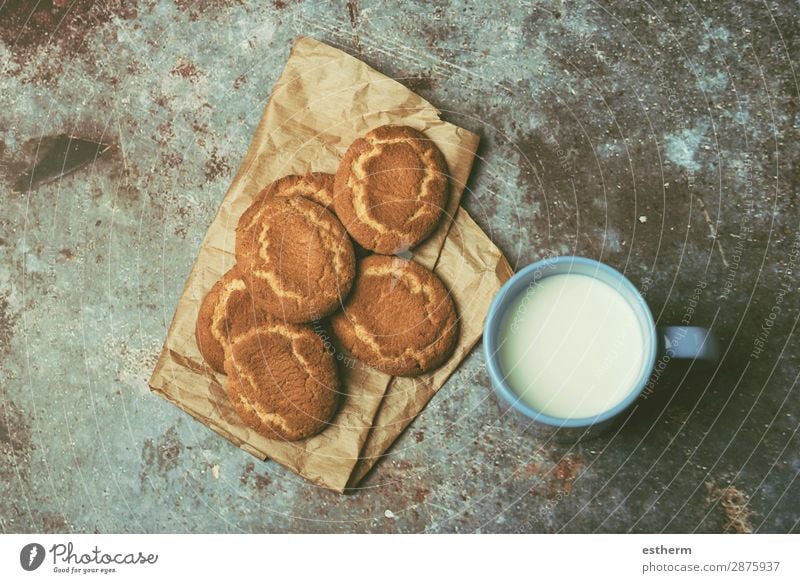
x,y
323,100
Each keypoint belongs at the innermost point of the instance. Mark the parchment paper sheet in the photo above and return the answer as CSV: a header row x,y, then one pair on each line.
x,y
323,100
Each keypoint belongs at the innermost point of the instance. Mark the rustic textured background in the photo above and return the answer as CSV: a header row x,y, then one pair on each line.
x,y
660,139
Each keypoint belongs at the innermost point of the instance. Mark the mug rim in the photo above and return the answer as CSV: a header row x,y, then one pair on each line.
x,y
490,344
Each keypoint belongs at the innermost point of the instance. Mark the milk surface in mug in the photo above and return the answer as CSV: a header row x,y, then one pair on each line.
x,y
571,346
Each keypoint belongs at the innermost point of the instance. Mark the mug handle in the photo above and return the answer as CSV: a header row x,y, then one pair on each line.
x,y
689,343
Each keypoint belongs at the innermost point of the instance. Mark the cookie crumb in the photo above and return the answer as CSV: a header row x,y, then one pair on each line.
x,y
734,505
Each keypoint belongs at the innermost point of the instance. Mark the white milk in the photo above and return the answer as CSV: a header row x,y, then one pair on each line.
x,y
571,346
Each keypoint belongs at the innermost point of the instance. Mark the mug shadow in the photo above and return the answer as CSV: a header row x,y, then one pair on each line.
x,y
683,388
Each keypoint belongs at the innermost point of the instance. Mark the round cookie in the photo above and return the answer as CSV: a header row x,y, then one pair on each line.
x,y
296,258
391,188
281,380
227,306
316,186
399,318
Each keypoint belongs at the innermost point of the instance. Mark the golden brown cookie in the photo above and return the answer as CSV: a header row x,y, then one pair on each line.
x,y
281,381
399,318
226,306
391,189
296,258
316,186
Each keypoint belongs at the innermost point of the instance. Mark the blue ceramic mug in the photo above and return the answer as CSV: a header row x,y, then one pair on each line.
x,y
661,344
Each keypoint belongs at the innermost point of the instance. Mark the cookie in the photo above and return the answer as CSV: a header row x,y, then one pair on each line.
x,y
281,381
296,258
399,318
226,306
391,188
316,186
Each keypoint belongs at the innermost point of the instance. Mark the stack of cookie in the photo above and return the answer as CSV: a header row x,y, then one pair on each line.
x,y
296,265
